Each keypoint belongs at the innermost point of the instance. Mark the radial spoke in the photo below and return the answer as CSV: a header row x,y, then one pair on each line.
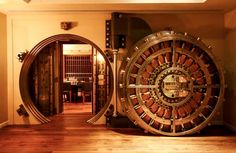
x,y
173,48
134,75
142,86
206,86
144,56
138,65
173,120
201,115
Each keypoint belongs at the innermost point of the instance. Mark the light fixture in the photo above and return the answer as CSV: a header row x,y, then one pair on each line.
x,y
21,56
27,1
100,58
66,25
168,1
113,1
3,1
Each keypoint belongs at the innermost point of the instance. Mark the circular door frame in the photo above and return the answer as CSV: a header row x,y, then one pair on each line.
x,y
29,59
136,107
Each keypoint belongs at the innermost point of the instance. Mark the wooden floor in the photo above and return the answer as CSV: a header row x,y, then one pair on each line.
x,y
77,108
69,133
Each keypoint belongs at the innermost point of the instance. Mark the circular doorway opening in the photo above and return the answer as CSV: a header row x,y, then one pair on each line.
x,y
45,71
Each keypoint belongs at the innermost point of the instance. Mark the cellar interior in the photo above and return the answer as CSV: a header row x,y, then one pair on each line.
x,y
170,72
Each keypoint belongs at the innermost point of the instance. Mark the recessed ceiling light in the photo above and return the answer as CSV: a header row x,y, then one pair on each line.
x,y
167,1
3,1
114,1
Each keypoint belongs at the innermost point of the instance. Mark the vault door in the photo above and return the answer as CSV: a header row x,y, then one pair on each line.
x,y
102,81
45,76
172,84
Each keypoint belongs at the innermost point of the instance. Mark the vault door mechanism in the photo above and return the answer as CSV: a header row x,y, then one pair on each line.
x,y
172,84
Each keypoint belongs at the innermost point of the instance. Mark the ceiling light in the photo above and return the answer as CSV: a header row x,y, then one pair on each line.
x,y
3,1
114,1
167,1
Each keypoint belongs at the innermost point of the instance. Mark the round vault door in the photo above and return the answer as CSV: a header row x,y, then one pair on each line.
x,y
171,84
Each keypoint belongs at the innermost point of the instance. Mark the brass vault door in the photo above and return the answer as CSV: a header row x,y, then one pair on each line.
x,y
45,80
171,84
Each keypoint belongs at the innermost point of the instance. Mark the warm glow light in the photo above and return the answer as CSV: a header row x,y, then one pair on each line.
x,y
166,1
100,58
116,1
77,49
3,1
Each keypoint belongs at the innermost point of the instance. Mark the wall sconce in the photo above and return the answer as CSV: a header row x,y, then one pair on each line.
x,y
66,25
21,55
22,111
27,1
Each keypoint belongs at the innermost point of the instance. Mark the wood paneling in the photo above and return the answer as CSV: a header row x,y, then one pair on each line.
x,y
72,134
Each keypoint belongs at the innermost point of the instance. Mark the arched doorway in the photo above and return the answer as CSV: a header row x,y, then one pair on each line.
x,y
49,53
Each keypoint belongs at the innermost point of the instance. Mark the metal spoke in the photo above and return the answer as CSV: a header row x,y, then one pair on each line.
x,y
173,48
206,86
173,120
142,86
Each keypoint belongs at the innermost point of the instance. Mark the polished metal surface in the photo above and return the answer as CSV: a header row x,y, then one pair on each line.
x,y
171,84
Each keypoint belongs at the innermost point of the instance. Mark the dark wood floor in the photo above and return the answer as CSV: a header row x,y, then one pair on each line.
x,y
71,134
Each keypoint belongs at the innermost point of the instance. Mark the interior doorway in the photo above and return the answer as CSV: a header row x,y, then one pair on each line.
x,y
77,79
66,69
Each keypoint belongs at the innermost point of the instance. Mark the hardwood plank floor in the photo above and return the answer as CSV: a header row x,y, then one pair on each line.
x,y
74,108
71,133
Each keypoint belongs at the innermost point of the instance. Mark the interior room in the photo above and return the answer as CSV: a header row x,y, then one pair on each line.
x,y
117,76
77,75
